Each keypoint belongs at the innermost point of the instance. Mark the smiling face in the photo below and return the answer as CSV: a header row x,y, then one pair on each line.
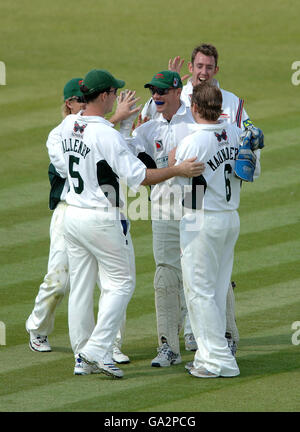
x,y
203,68
167,104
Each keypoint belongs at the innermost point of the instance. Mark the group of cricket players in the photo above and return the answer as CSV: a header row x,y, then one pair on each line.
x,y
192,146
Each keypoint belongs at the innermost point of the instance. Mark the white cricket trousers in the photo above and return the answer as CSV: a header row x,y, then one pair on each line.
x,y
97,245
207,261
55,284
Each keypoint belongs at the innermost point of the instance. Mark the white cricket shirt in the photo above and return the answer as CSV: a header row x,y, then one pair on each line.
x,y
157,138
232,106
217,146
97,158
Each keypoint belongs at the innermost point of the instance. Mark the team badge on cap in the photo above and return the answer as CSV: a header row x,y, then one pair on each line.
x,y
165,79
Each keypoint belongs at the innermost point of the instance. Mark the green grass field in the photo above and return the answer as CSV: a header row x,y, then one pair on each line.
x,y
43,45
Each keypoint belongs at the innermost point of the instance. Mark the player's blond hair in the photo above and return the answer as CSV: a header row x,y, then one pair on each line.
x,y
65,110
207,98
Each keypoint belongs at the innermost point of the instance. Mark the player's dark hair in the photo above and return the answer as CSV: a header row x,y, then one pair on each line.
x,y
208,101
90,97
206,49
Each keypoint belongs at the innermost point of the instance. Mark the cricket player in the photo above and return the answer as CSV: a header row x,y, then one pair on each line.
x,y
204,67
156,138
209,231
40,323
97,235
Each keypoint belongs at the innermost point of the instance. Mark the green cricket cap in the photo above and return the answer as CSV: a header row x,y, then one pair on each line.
x,y
165,79
98,80
72,88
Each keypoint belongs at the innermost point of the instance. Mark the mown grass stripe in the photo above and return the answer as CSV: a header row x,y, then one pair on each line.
x,y
263,319
266,257
94,389
12,255
251,397
265,237
185,384
32,268
266,276
23,194
262,299
261,219
274,140
34,118
273,188
20,234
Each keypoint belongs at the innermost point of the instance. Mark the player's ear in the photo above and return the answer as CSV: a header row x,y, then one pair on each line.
x,y
216,70
68,104
194,109
190,67
103,96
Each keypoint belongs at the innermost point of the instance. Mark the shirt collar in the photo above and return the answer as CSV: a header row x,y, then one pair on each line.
x,y
94,119
181,111
214,126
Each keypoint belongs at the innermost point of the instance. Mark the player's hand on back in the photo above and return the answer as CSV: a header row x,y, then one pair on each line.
x,y
191,168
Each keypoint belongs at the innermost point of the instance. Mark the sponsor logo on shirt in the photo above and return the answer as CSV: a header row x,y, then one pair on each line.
x,y
158,145
222,136
162,162
79,128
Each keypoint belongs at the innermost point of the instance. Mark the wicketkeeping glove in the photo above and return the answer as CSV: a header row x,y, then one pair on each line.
x,y
246,160
256,139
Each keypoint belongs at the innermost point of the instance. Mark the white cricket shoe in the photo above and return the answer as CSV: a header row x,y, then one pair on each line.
x,y
165,357
190,342
201,372
119,357
106,367
189,365
39,342
82,368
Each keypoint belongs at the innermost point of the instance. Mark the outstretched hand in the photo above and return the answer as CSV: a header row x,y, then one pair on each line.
x,y
140,121
126,108
175,65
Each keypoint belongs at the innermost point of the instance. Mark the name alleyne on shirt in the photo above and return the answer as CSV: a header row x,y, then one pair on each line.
x,y
76,146
223,155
